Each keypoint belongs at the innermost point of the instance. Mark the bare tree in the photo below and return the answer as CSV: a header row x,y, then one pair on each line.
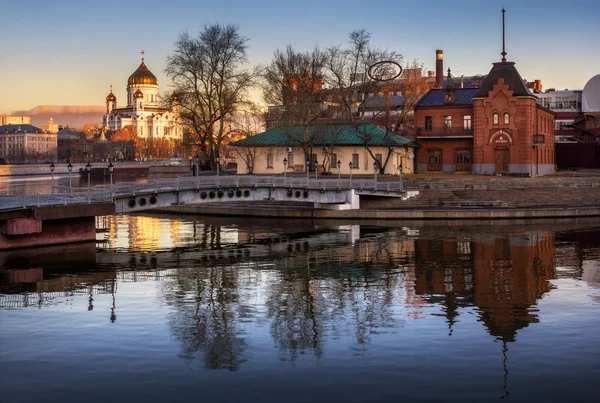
x,y
244,125
211,81
293,81
413,86
346,71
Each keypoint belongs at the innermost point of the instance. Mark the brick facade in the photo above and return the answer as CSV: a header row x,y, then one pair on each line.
x,y
499,129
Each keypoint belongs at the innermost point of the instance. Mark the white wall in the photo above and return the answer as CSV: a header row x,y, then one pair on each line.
x,y
343,154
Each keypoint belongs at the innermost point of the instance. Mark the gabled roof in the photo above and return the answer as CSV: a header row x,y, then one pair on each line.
x,y
322,134
435,97
8,129
511,76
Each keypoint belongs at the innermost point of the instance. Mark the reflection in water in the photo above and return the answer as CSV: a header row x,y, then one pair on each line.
x,y
308,287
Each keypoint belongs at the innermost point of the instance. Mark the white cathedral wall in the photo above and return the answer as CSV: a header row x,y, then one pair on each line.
x,y
150,94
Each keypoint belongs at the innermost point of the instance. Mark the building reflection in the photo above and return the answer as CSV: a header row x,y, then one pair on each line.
x,y
501,275
307,286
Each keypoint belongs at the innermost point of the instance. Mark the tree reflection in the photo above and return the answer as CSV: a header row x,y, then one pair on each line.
x,y
320,292
205,318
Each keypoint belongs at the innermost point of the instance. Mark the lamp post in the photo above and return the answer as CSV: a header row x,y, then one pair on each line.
x,y
197,160
339,166
350,165
111,169
375,166
285,161
88,168
400,174
218,167
70,169
316,168
52,173
307,169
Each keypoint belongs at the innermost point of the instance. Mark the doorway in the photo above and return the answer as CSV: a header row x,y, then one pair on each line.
x,y
501,160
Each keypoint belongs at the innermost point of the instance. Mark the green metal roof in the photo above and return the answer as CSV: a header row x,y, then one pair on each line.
x,y
322,134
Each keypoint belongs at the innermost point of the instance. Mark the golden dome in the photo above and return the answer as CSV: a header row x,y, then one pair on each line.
x,y
111,97
142,76
138,94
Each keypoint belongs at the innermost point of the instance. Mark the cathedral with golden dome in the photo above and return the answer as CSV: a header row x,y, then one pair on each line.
x,y
143,112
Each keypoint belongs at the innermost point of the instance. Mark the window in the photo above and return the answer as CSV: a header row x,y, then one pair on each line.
x,y
506,119
379,159
463,156
447,122
269,160
467,122
495,118
355,161
290,158
428,122
448,97
434,157
334,160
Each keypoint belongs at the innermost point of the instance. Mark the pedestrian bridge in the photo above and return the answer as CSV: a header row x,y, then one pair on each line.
x,y
133,197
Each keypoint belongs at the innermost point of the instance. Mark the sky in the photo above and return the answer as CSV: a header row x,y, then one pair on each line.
x,y
68,52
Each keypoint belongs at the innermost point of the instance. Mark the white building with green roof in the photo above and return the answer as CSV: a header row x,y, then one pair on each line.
x,y
355,145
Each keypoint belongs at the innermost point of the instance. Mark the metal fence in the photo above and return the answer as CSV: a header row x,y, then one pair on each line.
x,y
63,195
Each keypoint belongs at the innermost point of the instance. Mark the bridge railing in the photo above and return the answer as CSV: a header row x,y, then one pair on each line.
x,y
76,196
107,193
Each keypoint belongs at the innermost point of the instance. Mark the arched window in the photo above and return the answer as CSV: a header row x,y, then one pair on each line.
x,y
495,118
506,119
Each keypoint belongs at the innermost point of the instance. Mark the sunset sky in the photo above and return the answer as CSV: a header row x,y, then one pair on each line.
x,y
65,52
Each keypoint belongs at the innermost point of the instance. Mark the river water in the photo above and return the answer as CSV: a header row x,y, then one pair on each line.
x,y
177,309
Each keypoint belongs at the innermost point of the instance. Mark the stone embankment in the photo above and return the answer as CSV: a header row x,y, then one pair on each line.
x,y
565,194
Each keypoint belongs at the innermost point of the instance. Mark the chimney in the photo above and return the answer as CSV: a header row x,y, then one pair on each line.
x,y
538,85
462,81
431,73
439,68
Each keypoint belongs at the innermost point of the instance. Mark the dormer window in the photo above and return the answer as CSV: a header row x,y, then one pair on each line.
x,y
506,119
495,118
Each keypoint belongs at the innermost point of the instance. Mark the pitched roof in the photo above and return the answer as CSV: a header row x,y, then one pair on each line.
x,y
435,97
19,129
327,134
511,76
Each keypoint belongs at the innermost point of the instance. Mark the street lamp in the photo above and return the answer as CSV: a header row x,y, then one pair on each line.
x,y
70,169
316,168
285,161
218,168
400,174
350,165
197,164
307,169
111,169
88,168
375,166
339,166
52,173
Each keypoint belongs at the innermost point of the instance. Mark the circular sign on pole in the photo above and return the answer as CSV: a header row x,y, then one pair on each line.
x,y
386,70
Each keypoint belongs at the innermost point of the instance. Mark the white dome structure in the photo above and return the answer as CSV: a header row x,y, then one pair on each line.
x,y
591,95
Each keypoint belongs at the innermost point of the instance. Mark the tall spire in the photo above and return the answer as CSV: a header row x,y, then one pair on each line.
x,y
111,88
503,51
145,52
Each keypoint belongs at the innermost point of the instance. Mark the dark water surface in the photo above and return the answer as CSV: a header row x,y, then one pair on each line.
x,y
180,309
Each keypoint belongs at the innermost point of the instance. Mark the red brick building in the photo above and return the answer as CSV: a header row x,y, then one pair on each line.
x,y
497,128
